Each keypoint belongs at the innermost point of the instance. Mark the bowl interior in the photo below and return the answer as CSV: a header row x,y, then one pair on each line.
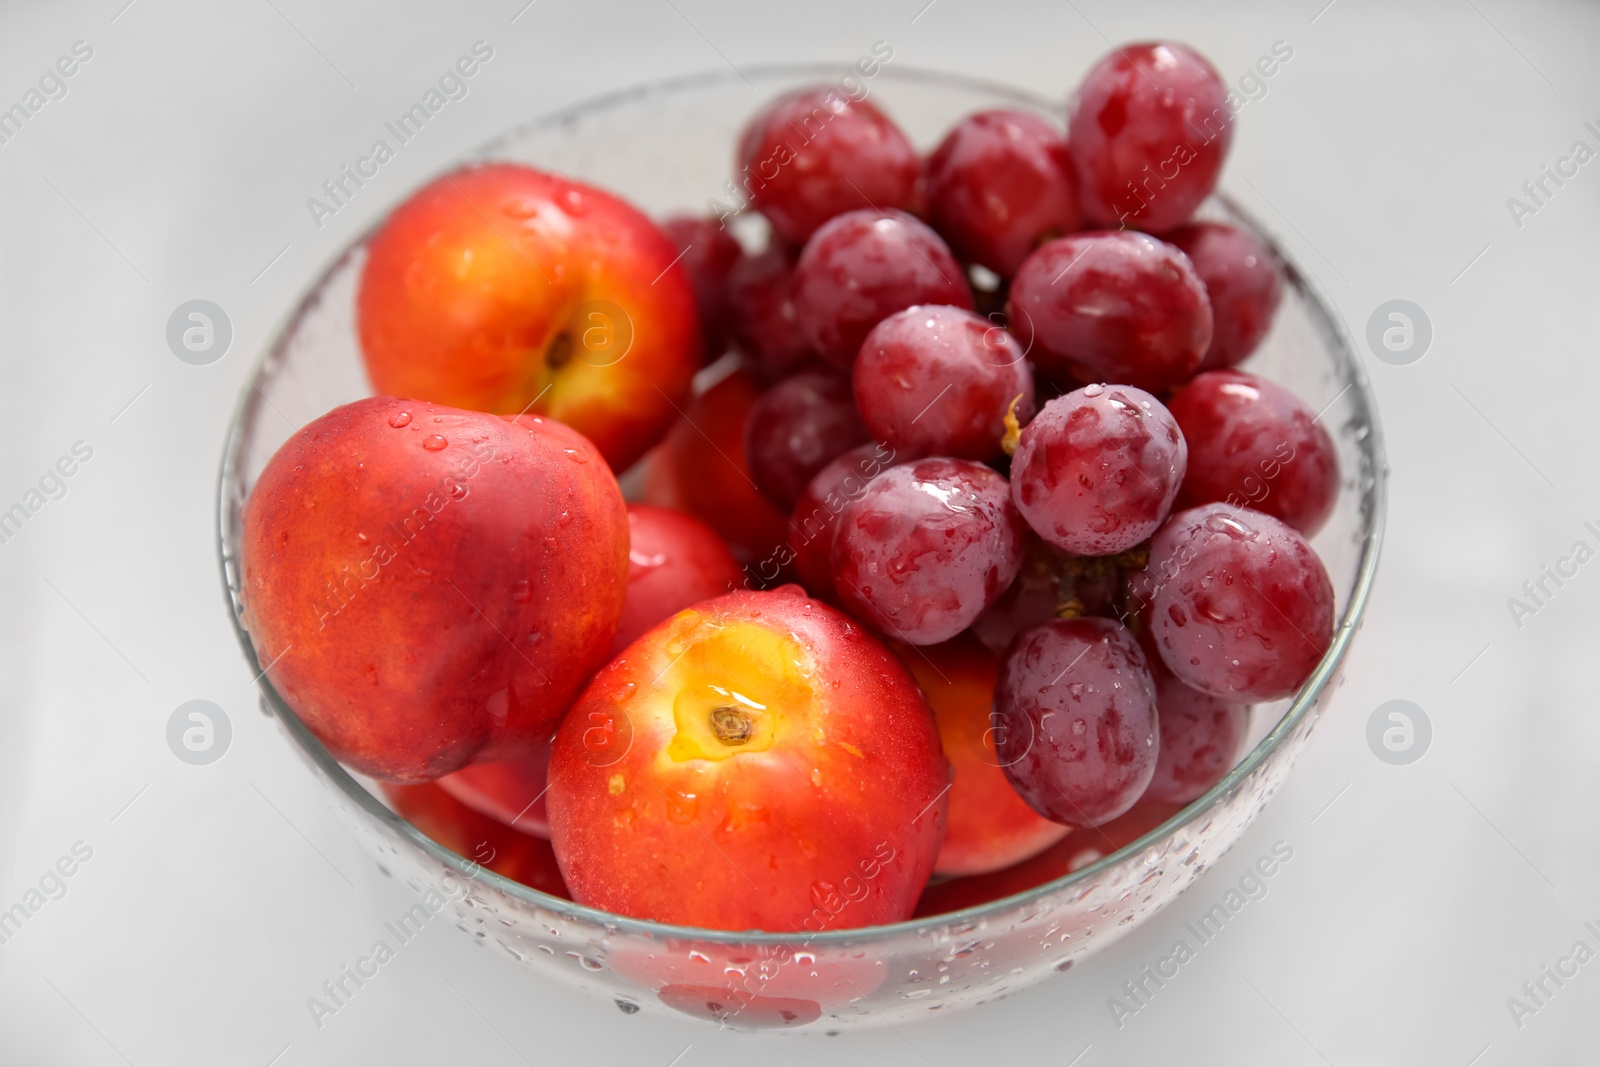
x,y
668,147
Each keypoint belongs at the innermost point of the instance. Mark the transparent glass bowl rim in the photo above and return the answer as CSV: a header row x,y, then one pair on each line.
x,y
1373,508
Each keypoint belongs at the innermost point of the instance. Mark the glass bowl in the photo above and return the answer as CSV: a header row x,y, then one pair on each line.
x,y
668,147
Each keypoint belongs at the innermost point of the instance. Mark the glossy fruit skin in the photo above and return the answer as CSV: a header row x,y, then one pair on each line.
x,y
485,841
1235,602
505,289
999,182
816,513
813,154
926,547
510,791
827,815
1119,307
795,428
709,253
989,826
1244,282
935,380
1072,853
701,468
761,313
1148,129
862,267
1097,471
674,562
1255,444
1200,736
1076,716
429,587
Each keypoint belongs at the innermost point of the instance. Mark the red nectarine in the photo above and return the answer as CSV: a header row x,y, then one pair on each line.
x,y
502,288
701,468
758,761
487,842
426,586
674,562
509,790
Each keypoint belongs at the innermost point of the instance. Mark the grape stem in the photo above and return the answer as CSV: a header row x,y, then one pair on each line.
x,y
1013,432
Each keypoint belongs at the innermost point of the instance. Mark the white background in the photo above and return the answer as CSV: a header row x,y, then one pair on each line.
x,y
218,900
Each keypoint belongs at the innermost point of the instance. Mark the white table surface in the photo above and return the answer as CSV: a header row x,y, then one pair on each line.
x,y
177,166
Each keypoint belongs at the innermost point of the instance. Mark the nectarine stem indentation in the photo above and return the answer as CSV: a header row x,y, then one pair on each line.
x,y
732,726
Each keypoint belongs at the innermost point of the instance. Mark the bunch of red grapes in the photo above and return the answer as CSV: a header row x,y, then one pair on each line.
x,y
1002,401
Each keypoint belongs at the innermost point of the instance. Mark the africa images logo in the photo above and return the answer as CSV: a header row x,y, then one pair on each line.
x,y
339,190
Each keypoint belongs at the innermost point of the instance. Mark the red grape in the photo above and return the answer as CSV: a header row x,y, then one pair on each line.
x,y
795,428
1113,307
937,380
1075,720
1254,444
997,183
1148,129
926,547
816,513
1200,737
862,267
708,253
813,154
1244,282
761,312
1236,603
1097,470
